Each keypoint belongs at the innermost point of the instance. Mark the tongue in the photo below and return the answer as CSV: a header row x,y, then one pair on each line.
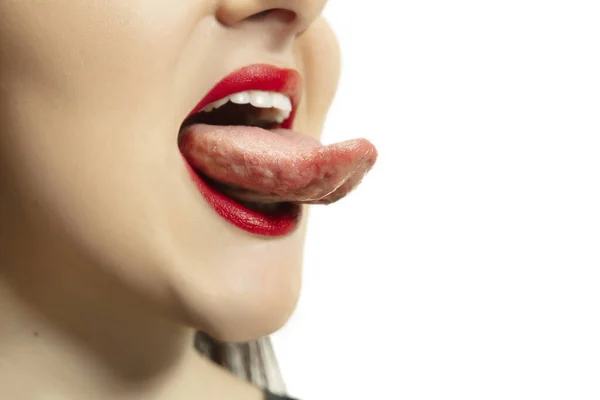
x,y
279,165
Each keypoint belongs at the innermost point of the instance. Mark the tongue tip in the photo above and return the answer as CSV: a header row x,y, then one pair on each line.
x,y
359,153
367,148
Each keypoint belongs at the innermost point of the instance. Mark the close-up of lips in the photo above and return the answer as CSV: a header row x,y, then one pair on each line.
x,y
249,163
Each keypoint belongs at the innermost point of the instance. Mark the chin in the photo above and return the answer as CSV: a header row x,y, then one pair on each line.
x,y
235,319
259,322
241,310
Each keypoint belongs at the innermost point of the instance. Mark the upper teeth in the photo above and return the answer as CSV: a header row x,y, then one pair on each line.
x,y
259,99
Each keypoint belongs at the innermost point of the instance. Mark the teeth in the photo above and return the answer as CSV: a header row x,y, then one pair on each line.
x,y
240,98
221,102
282,102
259,99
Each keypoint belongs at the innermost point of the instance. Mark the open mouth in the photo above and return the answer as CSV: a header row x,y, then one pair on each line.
x,y
252,168
255,108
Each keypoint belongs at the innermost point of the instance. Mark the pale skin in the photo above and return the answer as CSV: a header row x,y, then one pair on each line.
x,y
109,259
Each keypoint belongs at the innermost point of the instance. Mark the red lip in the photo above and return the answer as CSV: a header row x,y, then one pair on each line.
x,y
258,77
254,77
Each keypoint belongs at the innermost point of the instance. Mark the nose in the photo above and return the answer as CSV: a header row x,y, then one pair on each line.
x,y
295,15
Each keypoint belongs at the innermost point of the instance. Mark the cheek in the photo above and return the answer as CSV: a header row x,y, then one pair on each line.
x,y
318,53
69,41
85,85
89,124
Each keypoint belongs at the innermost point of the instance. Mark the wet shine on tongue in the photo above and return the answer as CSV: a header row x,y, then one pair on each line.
x,y
277,165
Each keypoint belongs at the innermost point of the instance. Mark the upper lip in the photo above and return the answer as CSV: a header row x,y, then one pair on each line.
x,y
263,77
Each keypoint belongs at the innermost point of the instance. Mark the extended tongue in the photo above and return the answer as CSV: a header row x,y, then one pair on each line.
x,y
277,165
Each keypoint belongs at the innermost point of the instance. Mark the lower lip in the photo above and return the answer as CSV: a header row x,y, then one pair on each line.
x,y
272,225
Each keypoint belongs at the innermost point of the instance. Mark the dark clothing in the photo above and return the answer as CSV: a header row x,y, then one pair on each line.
x,y
271,396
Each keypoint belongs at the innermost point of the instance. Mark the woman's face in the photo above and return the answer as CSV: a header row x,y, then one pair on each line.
x,y
92,98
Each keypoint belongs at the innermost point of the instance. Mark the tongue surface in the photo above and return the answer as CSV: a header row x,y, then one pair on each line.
x,y
280,165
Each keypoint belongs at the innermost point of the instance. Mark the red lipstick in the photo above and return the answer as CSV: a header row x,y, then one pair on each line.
x,y
258,77
254,77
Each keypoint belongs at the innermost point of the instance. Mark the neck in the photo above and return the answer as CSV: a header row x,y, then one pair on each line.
x,y
59,340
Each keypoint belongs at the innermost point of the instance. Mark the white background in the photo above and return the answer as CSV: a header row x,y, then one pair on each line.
x,y
467,265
